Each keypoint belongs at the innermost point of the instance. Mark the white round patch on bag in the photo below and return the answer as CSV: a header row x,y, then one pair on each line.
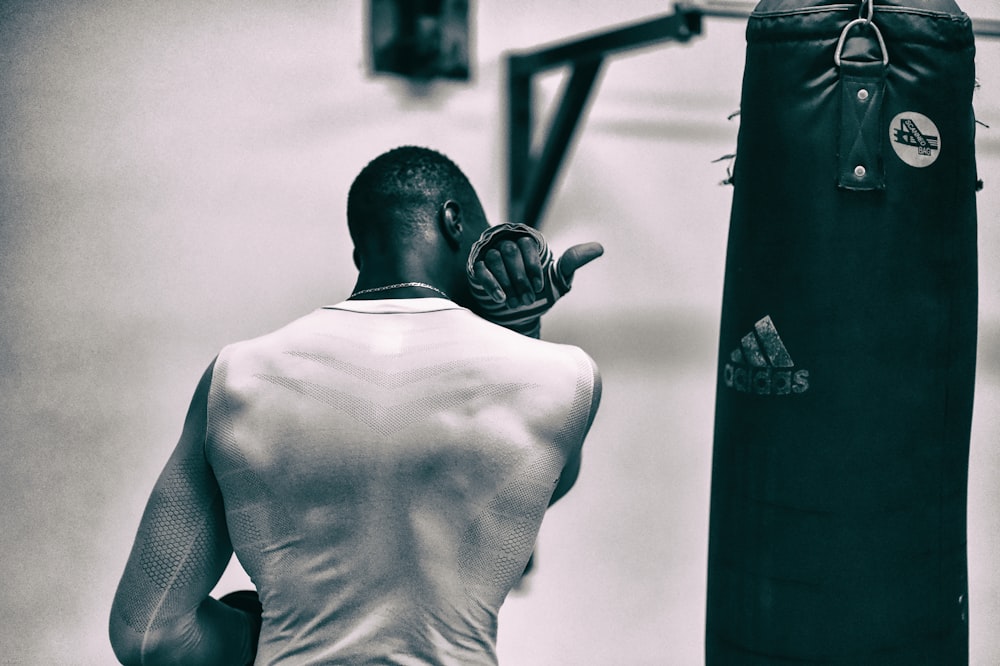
x,y
915,138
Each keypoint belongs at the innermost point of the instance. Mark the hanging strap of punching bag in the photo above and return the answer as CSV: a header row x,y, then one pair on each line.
x,y
862,89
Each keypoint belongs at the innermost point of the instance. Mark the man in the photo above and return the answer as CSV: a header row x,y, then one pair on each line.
x,y
380,466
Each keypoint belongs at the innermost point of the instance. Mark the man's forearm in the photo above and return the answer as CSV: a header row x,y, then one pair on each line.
x,y
212,634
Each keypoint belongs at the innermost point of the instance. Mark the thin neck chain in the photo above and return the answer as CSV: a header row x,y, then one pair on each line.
x,y
399,285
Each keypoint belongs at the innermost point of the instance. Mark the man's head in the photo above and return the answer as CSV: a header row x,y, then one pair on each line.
x,y
412,209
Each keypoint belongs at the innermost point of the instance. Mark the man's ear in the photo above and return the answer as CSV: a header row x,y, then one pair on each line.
x,y
450,219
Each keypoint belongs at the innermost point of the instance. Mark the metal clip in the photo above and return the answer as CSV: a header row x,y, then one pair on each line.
x,y
870,4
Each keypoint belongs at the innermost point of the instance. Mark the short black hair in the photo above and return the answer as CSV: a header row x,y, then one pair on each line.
x,y
400,190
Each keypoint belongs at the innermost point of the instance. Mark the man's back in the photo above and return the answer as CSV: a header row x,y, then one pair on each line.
x,y
385,466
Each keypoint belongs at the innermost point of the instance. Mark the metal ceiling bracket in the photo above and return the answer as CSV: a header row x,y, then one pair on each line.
x,y
531,176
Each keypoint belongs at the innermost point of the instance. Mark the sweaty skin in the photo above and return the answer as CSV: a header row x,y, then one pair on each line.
x,y
381,469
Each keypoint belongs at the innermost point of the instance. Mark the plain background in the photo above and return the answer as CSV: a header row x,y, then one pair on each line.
x,y
174,178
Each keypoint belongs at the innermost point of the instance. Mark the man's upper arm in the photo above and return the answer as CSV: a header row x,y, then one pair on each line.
x,y
571,470
181,549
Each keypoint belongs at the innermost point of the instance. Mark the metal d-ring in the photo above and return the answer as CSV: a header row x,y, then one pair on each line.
x,y
861,21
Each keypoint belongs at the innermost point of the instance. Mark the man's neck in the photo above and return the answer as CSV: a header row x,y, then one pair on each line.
x,y
376,287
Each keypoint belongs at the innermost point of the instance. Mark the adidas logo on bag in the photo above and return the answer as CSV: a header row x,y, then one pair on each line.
x,y
762,364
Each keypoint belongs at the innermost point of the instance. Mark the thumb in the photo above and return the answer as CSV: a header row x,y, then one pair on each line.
x,y
578,256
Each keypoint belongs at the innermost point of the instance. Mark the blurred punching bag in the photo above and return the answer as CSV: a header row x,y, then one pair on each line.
x,y
848,341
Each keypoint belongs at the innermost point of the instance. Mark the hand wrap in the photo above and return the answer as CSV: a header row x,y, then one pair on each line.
x,y
524,319
247,601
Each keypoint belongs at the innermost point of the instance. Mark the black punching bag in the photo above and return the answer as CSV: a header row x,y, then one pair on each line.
x,y
847,350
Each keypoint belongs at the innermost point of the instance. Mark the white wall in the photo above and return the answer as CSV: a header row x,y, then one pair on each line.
x,y
174,177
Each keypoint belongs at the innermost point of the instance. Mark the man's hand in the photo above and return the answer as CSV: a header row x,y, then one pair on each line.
x,y
513,269
514,278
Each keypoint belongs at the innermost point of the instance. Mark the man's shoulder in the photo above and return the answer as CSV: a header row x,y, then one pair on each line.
x,y
270,343
545,355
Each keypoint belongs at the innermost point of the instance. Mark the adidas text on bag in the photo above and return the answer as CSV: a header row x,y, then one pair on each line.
x,y
762,365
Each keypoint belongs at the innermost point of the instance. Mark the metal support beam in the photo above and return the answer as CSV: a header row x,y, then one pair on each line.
x,y
986,27
531,177
542,171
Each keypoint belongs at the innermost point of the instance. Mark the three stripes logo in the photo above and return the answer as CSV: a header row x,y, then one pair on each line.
x,y
762,365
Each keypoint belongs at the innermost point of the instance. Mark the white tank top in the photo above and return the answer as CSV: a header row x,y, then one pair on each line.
x,y
385,466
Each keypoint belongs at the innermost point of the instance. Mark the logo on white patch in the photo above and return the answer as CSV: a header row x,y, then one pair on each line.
x,y
915,138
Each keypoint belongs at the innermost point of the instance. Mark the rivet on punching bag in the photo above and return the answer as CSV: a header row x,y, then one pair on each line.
x,y
847,342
